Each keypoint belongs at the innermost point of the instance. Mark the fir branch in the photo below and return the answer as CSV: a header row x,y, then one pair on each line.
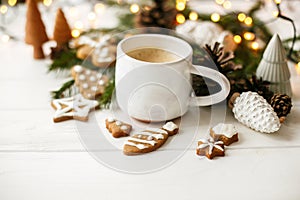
x,y
105,98
60,93
64,60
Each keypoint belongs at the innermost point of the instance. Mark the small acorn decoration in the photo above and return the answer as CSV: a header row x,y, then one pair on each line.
x,y
282,105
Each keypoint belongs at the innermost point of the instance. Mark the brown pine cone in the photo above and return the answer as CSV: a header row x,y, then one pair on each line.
x,y
282,104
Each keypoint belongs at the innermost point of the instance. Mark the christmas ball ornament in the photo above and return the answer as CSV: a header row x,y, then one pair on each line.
x,y
207,33
282,104
273,67
254,111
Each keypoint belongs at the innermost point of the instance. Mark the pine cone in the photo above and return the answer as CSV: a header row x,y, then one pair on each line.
x,y
282,104
252,84
162,14
222,59
255,112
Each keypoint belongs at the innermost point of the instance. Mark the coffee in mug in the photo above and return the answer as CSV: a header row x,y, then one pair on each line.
x,y
153,55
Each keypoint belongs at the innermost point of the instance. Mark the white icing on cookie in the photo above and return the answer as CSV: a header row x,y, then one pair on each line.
x,y
73,106
78,68
156,130
225,129
139,146
85,85
124,128
99,75
110,119
158,136
149,138
101,82
152,142
170,126
211,144
88,72
118,123
94,88
93,78
81,77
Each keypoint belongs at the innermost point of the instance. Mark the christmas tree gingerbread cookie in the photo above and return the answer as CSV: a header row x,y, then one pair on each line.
x,y
149,140
91,83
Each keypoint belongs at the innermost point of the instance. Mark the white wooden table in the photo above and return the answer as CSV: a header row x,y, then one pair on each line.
x,y
43,160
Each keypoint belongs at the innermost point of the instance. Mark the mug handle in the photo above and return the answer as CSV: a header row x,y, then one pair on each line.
x,y
215,76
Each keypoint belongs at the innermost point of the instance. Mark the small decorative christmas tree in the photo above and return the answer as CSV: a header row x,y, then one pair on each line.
x,y
35,29
273,67
62,31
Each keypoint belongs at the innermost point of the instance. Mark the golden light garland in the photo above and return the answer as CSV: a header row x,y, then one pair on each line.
x,y
12,2
134,8
180,18
215,17
193,16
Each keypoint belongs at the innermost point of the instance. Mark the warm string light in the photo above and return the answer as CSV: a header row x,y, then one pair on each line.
x,y
99,8
134,8
215,17
193,16
275,13
220,2
249,36
180,5
298,68
277,1
47,2
241,17
92,16
75,33
227,4
180,18
255,45
12,2
237,39
3,9
5,38
248,21
78,25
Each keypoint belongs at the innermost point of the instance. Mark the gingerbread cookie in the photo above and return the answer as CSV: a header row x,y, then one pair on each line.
x,y
75,107
146,141
101,50
117,128
171,128
225,133
104,56
210,148
90,83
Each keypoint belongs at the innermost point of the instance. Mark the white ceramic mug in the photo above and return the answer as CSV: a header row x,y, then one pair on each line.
x,y
161,91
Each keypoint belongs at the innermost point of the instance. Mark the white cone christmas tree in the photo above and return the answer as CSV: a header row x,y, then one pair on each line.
x,y
273,67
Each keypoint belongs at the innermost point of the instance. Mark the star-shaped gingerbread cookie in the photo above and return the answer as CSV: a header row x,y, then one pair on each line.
x,y
210,148
90,83
75,107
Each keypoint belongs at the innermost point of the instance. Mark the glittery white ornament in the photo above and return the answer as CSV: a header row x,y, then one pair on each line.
x,y
254,111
